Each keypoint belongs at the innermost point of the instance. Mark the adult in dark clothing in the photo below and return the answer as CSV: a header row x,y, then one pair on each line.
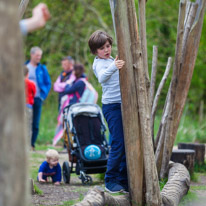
x,y
72,93
59,85
39,75
77,87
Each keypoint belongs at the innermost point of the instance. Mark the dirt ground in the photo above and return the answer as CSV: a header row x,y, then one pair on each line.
x,y
200,200
56,195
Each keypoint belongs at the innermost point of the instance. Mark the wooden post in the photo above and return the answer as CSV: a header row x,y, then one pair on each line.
x,y
188,38
130,118
199,151
143,37
22,7
185,157
13,147
135,105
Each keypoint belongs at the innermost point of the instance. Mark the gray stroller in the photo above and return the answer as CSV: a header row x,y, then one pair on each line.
x,y
85,140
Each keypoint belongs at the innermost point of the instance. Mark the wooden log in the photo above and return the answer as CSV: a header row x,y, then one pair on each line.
x,y
97,197
199,151
177,185
185,157
13,142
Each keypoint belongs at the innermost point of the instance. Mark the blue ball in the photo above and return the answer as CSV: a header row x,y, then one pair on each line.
x,y
92,152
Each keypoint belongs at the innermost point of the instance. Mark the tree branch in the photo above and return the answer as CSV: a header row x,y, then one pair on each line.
x,y
161,85
22,7
153,75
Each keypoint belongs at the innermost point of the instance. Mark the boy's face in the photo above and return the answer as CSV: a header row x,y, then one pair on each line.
x,y
104,52
53,161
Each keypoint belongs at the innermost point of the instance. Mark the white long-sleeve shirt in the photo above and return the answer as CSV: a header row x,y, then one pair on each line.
x,y
108,76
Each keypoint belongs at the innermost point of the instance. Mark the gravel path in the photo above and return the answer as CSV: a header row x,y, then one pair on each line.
x,y
57,195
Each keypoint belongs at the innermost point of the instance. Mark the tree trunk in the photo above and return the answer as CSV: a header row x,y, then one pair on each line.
x,y
22,7
188,38
198,148
185,157
143,37
130,117
135,104
13,147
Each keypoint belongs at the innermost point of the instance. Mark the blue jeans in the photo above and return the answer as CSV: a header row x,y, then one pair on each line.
x,y
116,164
36,119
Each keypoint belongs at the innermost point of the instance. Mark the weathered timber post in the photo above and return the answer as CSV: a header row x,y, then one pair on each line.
x,y
130,118
143,37
22,7
13,171
199,151
188,38
135,105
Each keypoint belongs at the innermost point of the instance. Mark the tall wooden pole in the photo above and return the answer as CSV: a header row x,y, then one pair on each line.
x,y
135,105
132,133
188,38
22,7
143,37
13,147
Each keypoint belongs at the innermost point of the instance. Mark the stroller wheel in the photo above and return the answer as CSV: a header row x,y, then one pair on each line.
x,y
66,172
87,180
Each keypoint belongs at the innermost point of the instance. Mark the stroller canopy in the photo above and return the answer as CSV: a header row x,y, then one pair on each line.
x,y
86,109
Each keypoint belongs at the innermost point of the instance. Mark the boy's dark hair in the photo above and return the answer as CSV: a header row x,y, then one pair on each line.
x,y
98,39
26,70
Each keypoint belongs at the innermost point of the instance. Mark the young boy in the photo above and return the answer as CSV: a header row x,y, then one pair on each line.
x,y
50,168
106,70
30,90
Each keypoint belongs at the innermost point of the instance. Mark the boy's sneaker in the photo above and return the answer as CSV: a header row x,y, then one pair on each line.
x,y
113,187
125,186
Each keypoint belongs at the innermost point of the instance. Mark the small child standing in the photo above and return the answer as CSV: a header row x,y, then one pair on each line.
x,y
106,70
30,90
50,168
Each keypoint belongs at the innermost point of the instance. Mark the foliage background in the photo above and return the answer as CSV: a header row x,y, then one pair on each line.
x,y
73,22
